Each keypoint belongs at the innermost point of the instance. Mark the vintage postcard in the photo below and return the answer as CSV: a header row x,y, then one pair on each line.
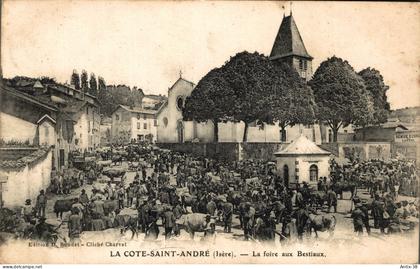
x,y
136,132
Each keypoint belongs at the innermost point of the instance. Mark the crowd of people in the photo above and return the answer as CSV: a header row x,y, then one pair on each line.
x,y
222,190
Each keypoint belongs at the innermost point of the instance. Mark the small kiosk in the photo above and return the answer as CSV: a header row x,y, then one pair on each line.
x,y
301,161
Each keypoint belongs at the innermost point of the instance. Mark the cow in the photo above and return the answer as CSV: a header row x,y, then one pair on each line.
x,y
321,223
63,205
195,222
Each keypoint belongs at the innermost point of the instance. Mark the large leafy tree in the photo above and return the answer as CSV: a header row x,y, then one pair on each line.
x,y
249,76
75,79
291,99
211,100
340,95
93,85
377,89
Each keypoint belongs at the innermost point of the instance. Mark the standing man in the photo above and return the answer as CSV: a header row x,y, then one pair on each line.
x,y
41,203
27,210
332,200
121,195
169,222
75,226
227,216
358,216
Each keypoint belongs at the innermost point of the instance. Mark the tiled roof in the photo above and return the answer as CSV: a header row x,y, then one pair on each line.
x,y
288,41
302,146
139,110
74,106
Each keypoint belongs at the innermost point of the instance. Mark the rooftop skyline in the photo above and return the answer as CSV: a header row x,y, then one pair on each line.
x,y
146,44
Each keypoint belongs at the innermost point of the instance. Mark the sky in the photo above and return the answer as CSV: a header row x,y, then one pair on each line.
x,y
147,44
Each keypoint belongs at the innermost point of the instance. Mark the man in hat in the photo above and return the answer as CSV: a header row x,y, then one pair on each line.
x,y
121,195
332,200
227,216
130,195
168,221
74,225
365,211
83,198
43,230
27,210
41,203
143,212
357,215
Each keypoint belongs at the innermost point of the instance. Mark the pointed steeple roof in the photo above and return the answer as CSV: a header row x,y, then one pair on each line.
x,y
288,41
302,146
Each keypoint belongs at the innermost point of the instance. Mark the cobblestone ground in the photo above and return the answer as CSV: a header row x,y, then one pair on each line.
x,y
343,234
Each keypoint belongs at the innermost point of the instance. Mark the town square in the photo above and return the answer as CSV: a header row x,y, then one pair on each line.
x,y
288,150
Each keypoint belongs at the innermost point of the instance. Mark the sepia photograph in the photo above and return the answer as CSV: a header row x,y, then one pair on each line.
x,y
209,132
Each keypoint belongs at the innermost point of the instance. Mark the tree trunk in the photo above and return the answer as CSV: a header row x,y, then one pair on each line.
x,y
244,139
216,131
335,134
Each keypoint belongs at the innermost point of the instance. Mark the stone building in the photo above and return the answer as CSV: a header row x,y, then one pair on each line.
x,y
129,123
302,161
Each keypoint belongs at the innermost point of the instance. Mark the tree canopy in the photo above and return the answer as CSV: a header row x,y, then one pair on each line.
x,y
340,95
291,100
377,89
248,88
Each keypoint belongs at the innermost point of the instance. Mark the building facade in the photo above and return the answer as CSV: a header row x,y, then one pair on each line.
x,y
133,123
302,161
288,47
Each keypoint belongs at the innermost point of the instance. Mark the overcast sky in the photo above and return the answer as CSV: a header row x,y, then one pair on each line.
x,y
146,44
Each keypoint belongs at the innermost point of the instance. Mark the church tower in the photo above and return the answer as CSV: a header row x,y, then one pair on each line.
x,y
289,48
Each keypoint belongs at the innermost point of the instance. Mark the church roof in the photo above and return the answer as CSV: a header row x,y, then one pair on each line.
x,y
302,146
288,41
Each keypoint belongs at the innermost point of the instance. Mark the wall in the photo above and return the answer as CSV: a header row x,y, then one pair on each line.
x,y
13,128
25,183
305,162
365,150
227,151
264,151
46,132
121,128
105,131
81,137
290,162
375,134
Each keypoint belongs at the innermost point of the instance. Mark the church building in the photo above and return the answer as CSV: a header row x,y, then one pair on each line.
x,y
288,47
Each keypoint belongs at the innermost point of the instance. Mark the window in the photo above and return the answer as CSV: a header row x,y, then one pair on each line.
x,y
144,117
117,117
283,135
313,173
165,121
286,174
300,64
155,122
145,125
305,65
138,116
138,125
179,103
